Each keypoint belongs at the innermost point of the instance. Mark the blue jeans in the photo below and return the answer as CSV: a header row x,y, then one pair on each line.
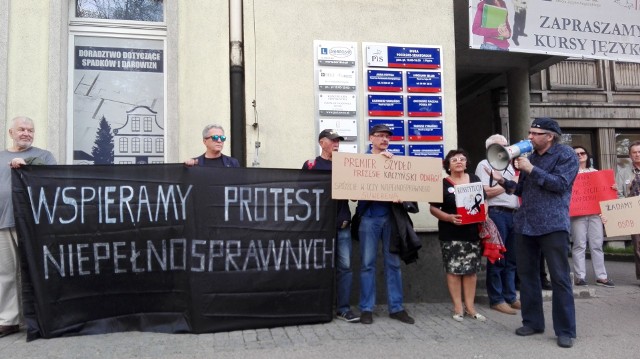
x,y
501,275
344,276
555,247
372,230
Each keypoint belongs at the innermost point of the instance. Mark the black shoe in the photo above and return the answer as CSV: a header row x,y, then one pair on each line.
x,y
366,317
348,316
402,316
565,342
546,285
515,41
526,331
581,283
8,330
605,283
523,34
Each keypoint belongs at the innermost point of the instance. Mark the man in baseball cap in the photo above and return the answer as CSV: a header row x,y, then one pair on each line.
x,y
380,128
330,134
329,141
545,123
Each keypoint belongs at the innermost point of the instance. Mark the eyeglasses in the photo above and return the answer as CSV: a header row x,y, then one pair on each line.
x,y
215,138
380,135
581,153
537,133
458,159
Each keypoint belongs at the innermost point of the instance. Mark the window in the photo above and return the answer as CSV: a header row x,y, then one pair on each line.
x,y
135,124
135,10
159,145
623,140
148,124
135,145
123,145
582,138
116,71
148,145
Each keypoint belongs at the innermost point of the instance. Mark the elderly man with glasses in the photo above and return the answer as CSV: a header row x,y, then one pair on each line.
x,y
542,226
501,275
213,138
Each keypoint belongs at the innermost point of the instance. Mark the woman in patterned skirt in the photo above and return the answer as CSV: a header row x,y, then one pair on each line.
x,y
460,243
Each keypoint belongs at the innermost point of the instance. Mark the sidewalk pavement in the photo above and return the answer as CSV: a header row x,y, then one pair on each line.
x,y
607,320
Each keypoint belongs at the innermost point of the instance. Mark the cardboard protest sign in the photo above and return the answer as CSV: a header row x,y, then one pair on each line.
x,y
470,202
378,178
589,189
621,216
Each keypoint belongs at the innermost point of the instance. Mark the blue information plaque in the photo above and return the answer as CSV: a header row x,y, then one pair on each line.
x,y
396,126
397,149
426,82
384,81
414,57
424,106
385,105
427,150
425,130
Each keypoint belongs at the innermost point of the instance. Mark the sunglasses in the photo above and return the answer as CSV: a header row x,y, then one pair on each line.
x,y
215,138
581,153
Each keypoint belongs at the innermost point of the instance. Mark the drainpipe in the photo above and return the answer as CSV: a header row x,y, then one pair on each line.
x,y
236,71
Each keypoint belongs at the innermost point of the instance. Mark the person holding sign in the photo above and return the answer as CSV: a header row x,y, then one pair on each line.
x,y
628,182
459,239
19,154
329,141
542,226
213,139
588,229
491,23
375,226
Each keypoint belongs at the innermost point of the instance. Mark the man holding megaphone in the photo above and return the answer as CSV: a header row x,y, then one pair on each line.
x,y
542,226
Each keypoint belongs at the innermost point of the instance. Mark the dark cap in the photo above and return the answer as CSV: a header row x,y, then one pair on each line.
x,y
545,123
380,128
330,134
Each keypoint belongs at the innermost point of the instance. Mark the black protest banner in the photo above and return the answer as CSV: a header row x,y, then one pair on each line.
x,y
170,249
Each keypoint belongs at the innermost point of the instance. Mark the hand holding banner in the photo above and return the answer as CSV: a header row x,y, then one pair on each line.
x,y
589,189
621,216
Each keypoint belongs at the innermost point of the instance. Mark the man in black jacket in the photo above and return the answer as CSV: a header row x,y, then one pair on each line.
x,y
213,138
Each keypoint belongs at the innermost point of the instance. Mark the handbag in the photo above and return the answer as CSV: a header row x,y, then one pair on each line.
x,y
492,245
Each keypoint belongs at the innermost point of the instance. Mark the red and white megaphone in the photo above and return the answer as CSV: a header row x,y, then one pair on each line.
x,y
500,156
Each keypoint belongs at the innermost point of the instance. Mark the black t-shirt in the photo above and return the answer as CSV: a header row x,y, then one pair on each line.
x,y
447,230
213,162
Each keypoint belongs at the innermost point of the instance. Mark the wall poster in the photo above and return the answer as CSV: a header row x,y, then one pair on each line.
x,y
118,100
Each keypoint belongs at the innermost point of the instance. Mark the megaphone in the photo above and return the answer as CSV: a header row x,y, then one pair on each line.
x,y
500,156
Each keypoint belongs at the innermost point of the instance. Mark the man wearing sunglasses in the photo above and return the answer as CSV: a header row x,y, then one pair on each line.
x,y
542,226
213,138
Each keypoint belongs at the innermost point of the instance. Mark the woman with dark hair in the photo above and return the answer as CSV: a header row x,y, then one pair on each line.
x,y
587,229
495,38
460,243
